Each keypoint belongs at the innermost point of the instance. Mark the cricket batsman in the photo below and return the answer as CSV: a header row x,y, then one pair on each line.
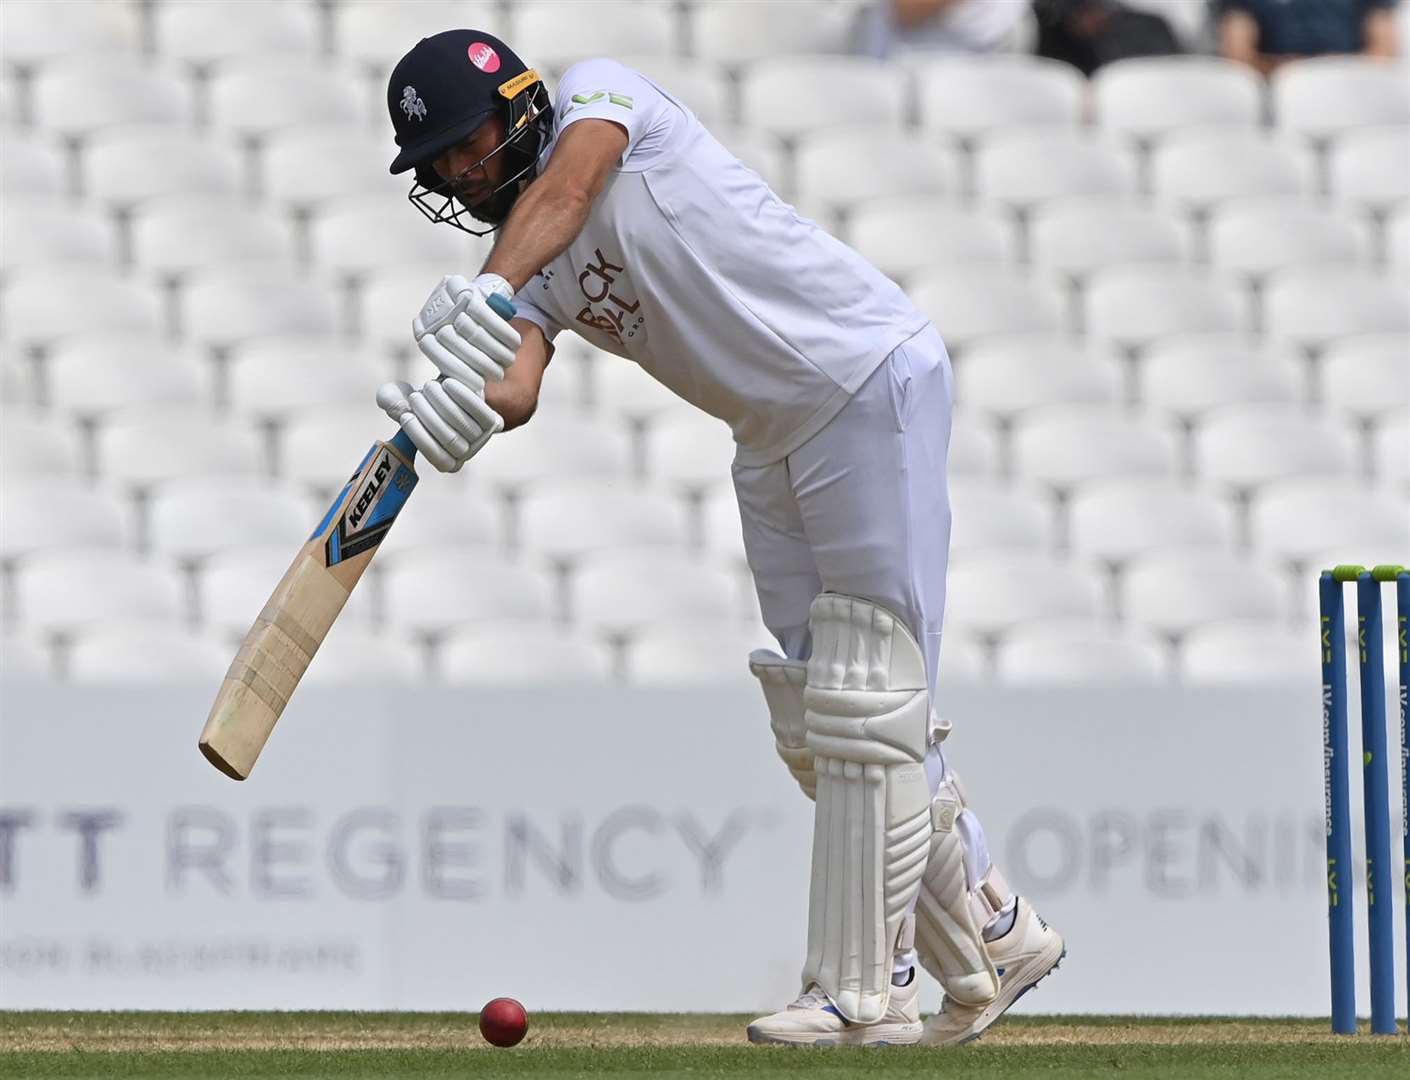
x,y
621,218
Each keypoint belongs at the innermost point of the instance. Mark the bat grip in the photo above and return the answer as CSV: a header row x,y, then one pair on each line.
x,y
402,441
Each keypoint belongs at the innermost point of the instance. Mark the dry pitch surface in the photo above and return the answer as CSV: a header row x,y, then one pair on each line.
x,y
443,1045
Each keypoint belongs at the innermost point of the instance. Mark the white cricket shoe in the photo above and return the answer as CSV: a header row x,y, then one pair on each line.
x,y
813,1020
1022,957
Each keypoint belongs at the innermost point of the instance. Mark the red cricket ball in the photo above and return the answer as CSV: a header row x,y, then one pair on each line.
x,y
503,1022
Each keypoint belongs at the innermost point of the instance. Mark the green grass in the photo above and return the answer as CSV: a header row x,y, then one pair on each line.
x,y
196,1046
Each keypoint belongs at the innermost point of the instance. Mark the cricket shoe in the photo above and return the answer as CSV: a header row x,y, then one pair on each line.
x,y
1022,958
813,1020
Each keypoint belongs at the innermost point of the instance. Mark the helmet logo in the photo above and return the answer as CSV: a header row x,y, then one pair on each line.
x,y
412,105
483,56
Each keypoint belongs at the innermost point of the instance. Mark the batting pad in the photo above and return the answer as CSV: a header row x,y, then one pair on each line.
x,y
783,682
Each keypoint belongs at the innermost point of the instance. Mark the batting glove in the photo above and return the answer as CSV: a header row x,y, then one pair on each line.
x,y
463,335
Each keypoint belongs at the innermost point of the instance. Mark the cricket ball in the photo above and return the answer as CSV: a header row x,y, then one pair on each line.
x,y
503,1021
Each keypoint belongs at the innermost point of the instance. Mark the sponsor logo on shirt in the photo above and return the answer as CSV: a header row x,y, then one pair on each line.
x,y
620,100
606,311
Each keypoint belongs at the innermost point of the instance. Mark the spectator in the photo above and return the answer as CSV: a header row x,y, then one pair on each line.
x,y
1090,33
955,26
1266,33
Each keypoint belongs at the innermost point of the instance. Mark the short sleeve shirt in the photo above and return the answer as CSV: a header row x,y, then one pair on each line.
x,y
1307,27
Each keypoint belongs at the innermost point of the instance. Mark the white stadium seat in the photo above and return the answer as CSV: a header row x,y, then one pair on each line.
x,y
760,152
527,654
963,659
32,164
353,655
1172,591
274,377
1243,652
721,532
51,230
222,306
78,95
1065,445
1366,168
728,32
970,96
968,304
190,232
1297,518
555,33
202,31
448,512
837,167
429,590
32,447
134,653
1134,306
1392,450
35,32
133,449
902,235
620,590
295,167
623,391
1247,445
24,658
1397,241
1024,168
376,33
1115,520
572,518
791,97
39,307
259,94
697,84
125,165
554,448
1327,94
1081,654
1188,374
198,516
93,373
974,447
45,513
1311,305
695,653
359,233
1004,376
1195,170
986,517
392,295
234,584
990,593
1259,235
1367,374
63,590
691,452
1081,235
322,447
1149,96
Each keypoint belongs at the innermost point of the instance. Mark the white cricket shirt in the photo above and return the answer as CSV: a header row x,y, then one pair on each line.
x,y
692,267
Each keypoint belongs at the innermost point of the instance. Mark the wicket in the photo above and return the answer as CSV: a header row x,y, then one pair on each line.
x,y
1375,788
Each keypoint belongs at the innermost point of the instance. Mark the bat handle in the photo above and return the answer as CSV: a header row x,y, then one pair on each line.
x,y
402,441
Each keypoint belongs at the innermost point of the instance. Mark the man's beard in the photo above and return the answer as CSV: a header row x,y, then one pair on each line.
x,y
495,207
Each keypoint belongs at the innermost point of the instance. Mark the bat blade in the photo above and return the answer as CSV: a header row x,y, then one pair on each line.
x,y
303,607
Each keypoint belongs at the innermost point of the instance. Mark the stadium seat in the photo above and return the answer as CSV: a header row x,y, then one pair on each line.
x,y
991,593
1254,237
970,96
1149,96
721,532
32,164
618,591
1242,652
1397,241
64,590
16,383
1004,376
553,34
697,653
39,308
986,517
320,448
192,232
1297,518
203,31
45,513
35,34
1131,307
1022,169
837,167
391,296
525,655
49,230
78,95
223,306
623,391
1065,445
23,658
1116,520
193,518
1310,305
568,519
271,378
761,152
1189,374
1081,235
791,97
1324,95
1248,445
376,33
554,448
257,94
1366,168
126,165
1367,374
1192,171
689,452
353,655
145,654
905,234
1391,446
1080,653
962,660
33,447
1172,591
93,373
359,233
233,585
968,304
431,590
974,447
449,512
697,84
132,448
728,33
304,166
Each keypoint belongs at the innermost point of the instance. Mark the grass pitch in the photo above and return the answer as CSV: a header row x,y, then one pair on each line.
x,y
392,1046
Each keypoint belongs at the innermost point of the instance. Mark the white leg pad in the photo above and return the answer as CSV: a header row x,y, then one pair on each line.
x,y
783,682
867,713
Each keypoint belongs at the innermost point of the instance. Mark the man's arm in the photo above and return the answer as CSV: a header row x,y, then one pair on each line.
x,y
517,396
1378,33
552,210
1238,40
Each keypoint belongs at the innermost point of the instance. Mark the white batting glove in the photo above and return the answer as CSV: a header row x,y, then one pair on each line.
x,y
447,422
462,335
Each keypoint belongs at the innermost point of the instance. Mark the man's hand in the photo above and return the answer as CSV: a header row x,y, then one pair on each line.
x,y
447,421
458,331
